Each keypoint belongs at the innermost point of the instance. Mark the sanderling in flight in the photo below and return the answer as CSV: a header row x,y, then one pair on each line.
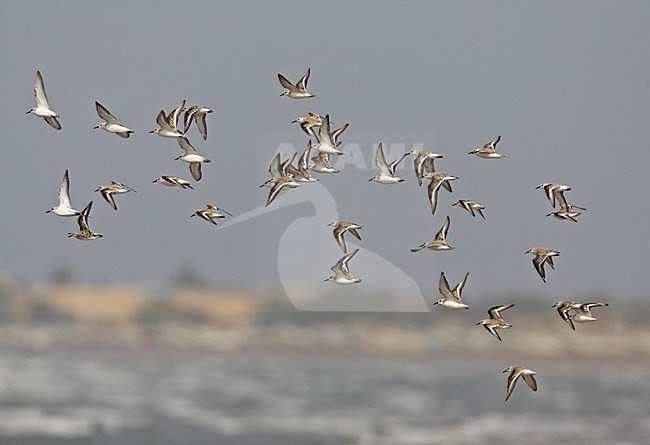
x,y
495,321
438,179
111,123
341,271
84,233
42,108
471,206
439,243
297,91
322,164
173,181
306,122
515,373
451,298
386,171
488,151
340,227
567,212
284,182
210,213
197,113
301,174
191,157
572,311
542,256
114,188
168,124
65,207
278,169
424,163
324,141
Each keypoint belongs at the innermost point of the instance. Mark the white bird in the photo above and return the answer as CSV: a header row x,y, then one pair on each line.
x,y
542,256
386,171
340,227
65,207
301,174
322,164
438,179
471,206
191,157
423,163
111,123
114,188
488,151
297,91
197,113
210,213
451,298
84,233
42,108
495,321
582,313
515,373
173,181
341,271
439,243
168,124
325,142
306,122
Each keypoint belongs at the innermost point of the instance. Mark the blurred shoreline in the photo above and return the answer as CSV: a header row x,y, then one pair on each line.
x,y
66,316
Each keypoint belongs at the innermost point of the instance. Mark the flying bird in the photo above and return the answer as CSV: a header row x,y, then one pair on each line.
x,y
297,91
440,242
65,207
516,372
340,228
495,321
111,123
84,233
542,256
451,298
341,271
114,188
42,108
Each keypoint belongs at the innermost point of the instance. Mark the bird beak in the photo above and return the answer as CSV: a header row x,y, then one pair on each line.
x,y
29,112
152,131
478,323
505,370
435,303
95,128
369,179
293,122
49,211
155,181
326,279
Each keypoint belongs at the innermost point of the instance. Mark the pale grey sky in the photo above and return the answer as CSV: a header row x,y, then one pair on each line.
x,y
566,84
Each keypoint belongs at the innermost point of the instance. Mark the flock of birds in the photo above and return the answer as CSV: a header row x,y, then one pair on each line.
x,y
286,176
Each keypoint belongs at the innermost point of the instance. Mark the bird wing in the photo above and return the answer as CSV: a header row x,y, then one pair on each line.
x,y
302,83
195,170
512,381
185,145
277,188
538,262
343,263
54,123
433,188
303,162
64,191
274,167
380,161
442,233
336,133
39,92
161,120
395,163
202,125
458,290
189,115
284,167
355,233
492,331
495,311
443,287
105,114
108,196
174,116
285,83
530,379
339,230
83,217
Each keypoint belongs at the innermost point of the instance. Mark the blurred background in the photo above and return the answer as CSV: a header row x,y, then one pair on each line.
x,y
169,331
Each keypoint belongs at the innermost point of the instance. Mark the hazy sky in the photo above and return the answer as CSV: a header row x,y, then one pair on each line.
x,y
566,84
